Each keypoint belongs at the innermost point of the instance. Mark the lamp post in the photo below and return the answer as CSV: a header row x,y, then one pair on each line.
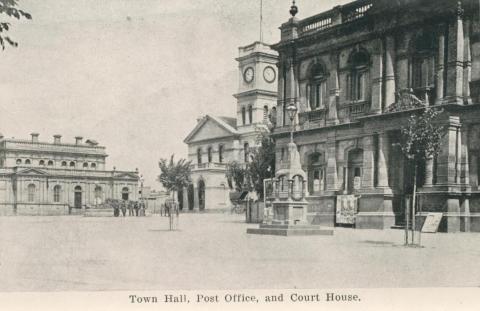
x,y
292,111
141,188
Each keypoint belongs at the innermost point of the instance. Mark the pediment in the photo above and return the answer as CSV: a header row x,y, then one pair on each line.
x,y
32,171
210,128
126,175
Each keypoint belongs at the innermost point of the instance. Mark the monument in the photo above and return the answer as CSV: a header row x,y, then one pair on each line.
x,y
289,207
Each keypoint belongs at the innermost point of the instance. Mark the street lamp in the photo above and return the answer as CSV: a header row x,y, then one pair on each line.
x,y
141,188
292,111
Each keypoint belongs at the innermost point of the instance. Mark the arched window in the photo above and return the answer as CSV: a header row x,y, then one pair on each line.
x,y
423,65
244,116
41,162
28,162
98,195
246,152
358,77
64,163
209,154
72,164
93,165
125,193
317,93
56,193
250,114
282,154
220,154
199,156
50,163
85,165
354,170
19,161
273,116
316,173
31,192
265,114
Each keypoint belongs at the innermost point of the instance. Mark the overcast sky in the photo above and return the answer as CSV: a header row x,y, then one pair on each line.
x,y
132,74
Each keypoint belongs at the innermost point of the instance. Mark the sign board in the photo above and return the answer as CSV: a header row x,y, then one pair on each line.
x,y
346,209
432,222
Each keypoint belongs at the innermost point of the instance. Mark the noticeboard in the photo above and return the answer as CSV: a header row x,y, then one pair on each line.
x,y
432,222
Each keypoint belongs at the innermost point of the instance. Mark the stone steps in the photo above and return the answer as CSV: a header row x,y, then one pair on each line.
x,y
289,230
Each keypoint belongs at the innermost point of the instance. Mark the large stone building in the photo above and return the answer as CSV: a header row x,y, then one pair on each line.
x,y
351,71
56,178
216,141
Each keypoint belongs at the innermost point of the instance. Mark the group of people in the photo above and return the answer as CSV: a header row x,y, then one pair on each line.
x,y
134,208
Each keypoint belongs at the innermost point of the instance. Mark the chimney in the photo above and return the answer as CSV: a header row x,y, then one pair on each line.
x,y
35,137
57,139
78,140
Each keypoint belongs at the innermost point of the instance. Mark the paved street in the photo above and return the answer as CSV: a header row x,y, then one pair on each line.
x,y
213,252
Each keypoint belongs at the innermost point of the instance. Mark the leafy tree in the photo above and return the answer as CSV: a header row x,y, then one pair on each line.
x,y
420,141
236,175
262,163
9,8
174,175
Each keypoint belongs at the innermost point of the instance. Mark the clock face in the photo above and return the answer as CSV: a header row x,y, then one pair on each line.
x,y
248,74
269,74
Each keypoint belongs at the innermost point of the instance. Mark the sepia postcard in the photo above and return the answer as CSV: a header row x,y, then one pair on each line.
x,y
256,154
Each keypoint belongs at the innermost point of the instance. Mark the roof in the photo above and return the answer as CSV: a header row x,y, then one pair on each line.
x,y
227,123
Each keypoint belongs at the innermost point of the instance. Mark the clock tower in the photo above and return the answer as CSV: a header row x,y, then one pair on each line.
x,y
257,89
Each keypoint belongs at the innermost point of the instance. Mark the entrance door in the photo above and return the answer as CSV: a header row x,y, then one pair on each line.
x,y
191,199
77,203
201,195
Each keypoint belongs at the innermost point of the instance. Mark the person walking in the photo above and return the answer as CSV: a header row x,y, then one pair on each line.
x,y
142,208
116,210
136,207
130,208
124,208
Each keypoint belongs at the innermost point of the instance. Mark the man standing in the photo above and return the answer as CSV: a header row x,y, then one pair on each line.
x,y
124,208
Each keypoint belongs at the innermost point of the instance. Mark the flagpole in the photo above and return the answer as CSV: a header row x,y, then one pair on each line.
x,y
261,20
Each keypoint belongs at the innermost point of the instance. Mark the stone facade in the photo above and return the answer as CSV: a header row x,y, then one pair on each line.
x,y
216,141
41,178
350,70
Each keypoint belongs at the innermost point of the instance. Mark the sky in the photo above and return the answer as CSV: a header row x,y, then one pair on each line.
x,y
132,74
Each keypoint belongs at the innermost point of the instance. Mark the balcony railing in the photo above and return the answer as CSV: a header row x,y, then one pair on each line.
x,y
354,110
318,22
355,11
312,116
337,16
211,165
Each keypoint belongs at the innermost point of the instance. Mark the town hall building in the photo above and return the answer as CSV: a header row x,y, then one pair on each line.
x,y
356,73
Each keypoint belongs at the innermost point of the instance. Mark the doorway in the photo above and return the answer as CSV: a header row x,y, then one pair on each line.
x,y
77,202
201,195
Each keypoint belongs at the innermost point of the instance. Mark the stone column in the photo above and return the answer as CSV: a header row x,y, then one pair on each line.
x,y
465,176
377,78
446,161
455,58
467,69
382,161
389,71
332,178
196,198
458,157
441,65
473,170
368,163
334,87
